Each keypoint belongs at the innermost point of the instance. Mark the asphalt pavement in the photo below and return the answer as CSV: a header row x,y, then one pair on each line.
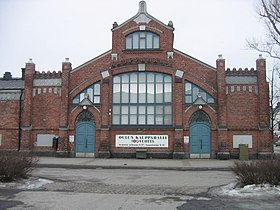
x,y
119,163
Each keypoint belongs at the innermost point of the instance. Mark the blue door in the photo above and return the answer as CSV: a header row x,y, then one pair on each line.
x,y
200,140
85,137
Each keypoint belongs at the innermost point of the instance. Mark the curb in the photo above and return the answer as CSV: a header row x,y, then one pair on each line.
x,y
70,166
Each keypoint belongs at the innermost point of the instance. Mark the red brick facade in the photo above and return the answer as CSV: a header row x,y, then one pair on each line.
x,y
240,105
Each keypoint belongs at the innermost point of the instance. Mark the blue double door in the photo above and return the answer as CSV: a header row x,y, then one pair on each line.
x,y
85,137
200,140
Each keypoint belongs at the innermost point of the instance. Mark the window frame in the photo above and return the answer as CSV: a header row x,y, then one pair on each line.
x,y
142,40
190,92
96,94
147,110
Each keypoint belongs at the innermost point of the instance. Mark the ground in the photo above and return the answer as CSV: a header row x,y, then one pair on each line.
x,y
61,188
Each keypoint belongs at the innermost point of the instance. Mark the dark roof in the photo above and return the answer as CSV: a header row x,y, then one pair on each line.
x,y
11,84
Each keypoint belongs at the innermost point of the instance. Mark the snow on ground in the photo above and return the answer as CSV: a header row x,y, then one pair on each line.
x,y
246,191
34,184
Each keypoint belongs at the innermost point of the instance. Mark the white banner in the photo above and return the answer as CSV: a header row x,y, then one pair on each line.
x,y
142,141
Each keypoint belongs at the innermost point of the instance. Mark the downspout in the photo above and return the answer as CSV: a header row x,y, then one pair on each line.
x,y
19,119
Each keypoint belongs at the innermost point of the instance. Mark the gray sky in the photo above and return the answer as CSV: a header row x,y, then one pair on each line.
x,y
51,30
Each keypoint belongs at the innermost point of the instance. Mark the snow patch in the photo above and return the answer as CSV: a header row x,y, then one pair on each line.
x,y
35,184
247,191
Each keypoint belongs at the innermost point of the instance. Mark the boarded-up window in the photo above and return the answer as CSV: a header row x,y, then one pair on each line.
x,y
45,140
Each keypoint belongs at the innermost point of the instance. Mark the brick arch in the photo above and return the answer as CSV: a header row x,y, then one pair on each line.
x,y
151,68
188,113
78,110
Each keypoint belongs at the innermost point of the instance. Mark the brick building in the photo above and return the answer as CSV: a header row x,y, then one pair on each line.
x,y
142,97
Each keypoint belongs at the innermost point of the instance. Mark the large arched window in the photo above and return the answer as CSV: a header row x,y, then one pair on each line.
x,y
142,98
92,92
142,40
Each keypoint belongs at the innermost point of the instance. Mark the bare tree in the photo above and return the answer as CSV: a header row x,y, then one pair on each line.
x,y
269,12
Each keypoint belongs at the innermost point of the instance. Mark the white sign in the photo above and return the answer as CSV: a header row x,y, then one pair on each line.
x,y
71,138
242,139
142,141
186,139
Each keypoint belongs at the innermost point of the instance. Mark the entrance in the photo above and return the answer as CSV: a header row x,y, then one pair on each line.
x,y
85,135
200,136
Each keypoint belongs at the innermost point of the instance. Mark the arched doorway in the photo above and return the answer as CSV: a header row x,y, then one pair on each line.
x,y
200,135
85,135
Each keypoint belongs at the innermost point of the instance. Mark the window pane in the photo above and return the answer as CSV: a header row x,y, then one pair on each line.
x,y
159,93
128,42
116,93
150,78
159,120
97,89
156,42
159,78
189,99
195,92
133,110
142,119
150,93
133,93
124,119
96,99
142,109
133,120
142,93
125,78
167,90
82,96
124,93
167,119
116,80
150,119
124,109
167,110
188,88
133,78
76,100
135,41
159,110
116,109
150,110
142,35
142,44
149,39
210,100
142,77
116,119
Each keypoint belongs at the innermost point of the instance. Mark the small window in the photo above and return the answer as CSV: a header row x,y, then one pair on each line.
x,y
142,40
93,93
192,92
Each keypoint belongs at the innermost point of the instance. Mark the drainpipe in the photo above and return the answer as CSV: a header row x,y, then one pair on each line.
x,y
19,119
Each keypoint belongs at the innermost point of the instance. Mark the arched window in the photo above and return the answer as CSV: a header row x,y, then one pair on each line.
x,y
93,93
200,117
192,92
85,116
142,98
142,40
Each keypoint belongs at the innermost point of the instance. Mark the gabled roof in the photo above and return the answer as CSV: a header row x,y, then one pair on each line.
x,y
144,17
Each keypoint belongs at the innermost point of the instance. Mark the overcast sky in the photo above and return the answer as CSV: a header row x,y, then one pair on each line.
x,y
51,30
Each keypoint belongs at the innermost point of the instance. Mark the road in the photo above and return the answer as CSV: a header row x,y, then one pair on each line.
x,y
127,189
115,189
